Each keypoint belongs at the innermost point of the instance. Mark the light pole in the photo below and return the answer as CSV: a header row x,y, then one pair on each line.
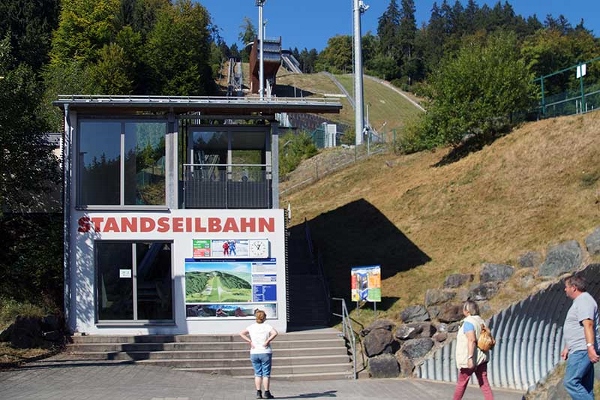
x,y
359,8
261,73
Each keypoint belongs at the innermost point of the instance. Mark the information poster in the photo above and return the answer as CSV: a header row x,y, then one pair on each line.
x,y
365,283
231,248
230,288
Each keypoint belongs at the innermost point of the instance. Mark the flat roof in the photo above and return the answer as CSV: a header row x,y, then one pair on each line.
x,y
213,106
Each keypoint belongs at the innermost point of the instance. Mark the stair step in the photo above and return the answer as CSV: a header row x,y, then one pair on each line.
x,y
209,354
277,371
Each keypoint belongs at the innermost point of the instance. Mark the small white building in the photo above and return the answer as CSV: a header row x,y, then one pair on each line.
x,y
172,217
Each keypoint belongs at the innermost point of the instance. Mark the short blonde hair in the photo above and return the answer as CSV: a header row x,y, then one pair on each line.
x,y
261,316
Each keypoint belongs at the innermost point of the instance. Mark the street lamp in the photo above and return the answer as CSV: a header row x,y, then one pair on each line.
x,y
261,74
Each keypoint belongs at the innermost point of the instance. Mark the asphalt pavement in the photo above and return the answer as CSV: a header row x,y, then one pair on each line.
x,y
49,380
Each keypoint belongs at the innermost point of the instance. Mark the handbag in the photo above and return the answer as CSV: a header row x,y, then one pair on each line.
x,y
485,341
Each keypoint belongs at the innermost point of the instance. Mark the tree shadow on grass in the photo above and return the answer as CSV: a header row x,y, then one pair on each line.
x,y
471,144
358,234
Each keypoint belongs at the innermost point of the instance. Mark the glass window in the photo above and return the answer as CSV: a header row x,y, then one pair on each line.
x,y
133,281
145,163
122,162
100,162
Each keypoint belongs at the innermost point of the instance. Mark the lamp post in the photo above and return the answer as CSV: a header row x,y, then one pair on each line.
x,y
261,73
359,8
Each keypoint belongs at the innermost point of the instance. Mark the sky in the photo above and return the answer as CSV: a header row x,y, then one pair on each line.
x,y
310,23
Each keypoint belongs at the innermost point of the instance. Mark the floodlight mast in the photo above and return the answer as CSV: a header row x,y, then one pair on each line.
x,y
261,73
359,8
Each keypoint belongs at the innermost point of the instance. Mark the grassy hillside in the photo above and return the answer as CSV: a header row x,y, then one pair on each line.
x,y
421,219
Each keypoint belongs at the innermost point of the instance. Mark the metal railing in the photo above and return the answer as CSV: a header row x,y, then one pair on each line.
x,y
227,186
348,333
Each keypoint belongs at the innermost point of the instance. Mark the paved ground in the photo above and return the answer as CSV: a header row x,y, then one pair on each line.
x,y
49,380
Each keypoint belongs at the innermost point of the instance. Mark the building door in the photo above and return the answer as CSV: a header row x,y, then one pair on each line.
x,y
133,281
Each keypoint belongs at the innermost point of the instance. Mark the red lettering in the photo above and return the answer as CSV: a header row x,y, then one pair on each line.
x,y
177,224
111,225
230,225
163,224
128,224
247,224
214,224
198,225
97,223
266,225
84,224
147,224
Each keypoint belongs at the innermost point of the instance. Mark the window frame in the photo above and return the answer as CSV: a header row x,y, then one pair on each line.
x,y
123,120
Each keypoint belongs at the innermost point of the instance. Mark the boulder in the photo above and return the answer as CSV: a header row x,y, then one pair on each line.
x,y
414,313
406,365
386,324
414,330
384,366
440,336
437,296
456,280
592,242
496,272
484,291
378,341
451,313
417,348
562,258
530,259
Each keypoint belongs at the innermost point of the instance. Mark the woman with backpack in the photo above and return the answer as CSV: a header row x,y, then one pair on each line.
x,y
469,358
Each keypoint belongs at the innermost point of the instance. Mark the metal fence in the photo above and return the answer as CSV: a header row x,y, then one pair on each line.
x,y
582,95
227,186
529,339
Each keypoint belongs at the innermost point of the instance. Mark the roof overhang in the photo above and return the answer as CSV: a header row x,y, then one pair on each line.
x,y
213,106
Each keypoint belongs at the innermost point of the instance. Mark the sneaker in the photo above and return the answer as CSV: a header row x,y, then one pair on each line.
x,y
268,395
258,394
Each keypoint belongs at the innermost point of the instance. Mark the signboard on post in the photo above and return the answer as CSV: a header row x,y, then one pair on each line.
x,y
366,284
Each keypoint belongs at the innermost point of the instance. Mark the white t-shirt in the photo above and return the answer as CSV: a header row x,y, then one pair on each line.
x,y
259,333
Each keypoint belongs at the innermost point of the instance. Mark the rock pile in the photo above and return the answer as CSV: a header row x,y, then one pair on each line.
x,y
395,349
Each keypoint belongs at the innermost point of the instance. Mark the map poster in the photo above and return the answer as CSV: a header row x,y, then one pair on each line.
x,y
365,283
230,288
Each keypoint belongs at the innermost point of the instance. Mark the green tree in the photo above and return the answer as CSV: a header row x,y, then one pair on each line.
x,y
247,35
478,91
407,31
388,31
178,51
337,56
28,168
30,24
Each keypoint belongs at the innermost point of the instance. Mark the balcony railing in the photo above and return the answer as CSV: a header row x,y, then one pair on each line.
x,y
227,186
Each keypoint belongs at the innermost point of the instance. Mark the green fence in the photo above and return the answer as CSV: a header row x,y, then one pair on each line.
x,y
572,90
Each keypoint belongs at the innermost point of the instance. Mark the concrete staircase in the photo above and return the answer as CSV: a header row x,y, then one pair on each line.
x,y
318,354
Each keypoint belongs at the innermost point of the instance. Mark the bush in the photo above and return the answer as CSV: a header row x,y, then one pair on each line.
x,y
294,148
10,309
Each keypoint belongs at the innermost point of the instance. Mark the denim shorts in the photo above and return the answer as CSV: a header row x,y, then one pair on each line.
x,y
261,364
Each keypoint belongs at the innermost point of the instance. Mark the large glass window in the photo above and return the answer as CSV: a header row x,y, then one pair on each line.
x,y
133,281
122,162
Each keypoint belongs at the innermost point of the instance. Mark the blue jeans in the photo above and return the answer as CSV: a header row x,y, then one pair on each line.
x,y
261,364
579,376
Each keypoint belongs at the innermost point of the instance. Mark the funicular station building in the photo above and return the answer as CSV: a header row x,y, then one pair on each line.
x,y
172,217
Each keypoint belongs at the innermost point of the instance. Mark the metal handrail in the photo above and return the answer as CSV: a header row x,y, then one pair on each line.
x,y
348,332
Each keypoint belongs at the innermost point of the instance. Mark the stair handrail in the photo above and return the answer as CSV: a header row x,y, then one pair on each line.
x,y
348,332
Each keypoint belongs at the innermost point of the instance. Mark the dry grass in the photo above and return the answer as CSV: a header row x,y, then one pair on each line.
x,y
535,187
